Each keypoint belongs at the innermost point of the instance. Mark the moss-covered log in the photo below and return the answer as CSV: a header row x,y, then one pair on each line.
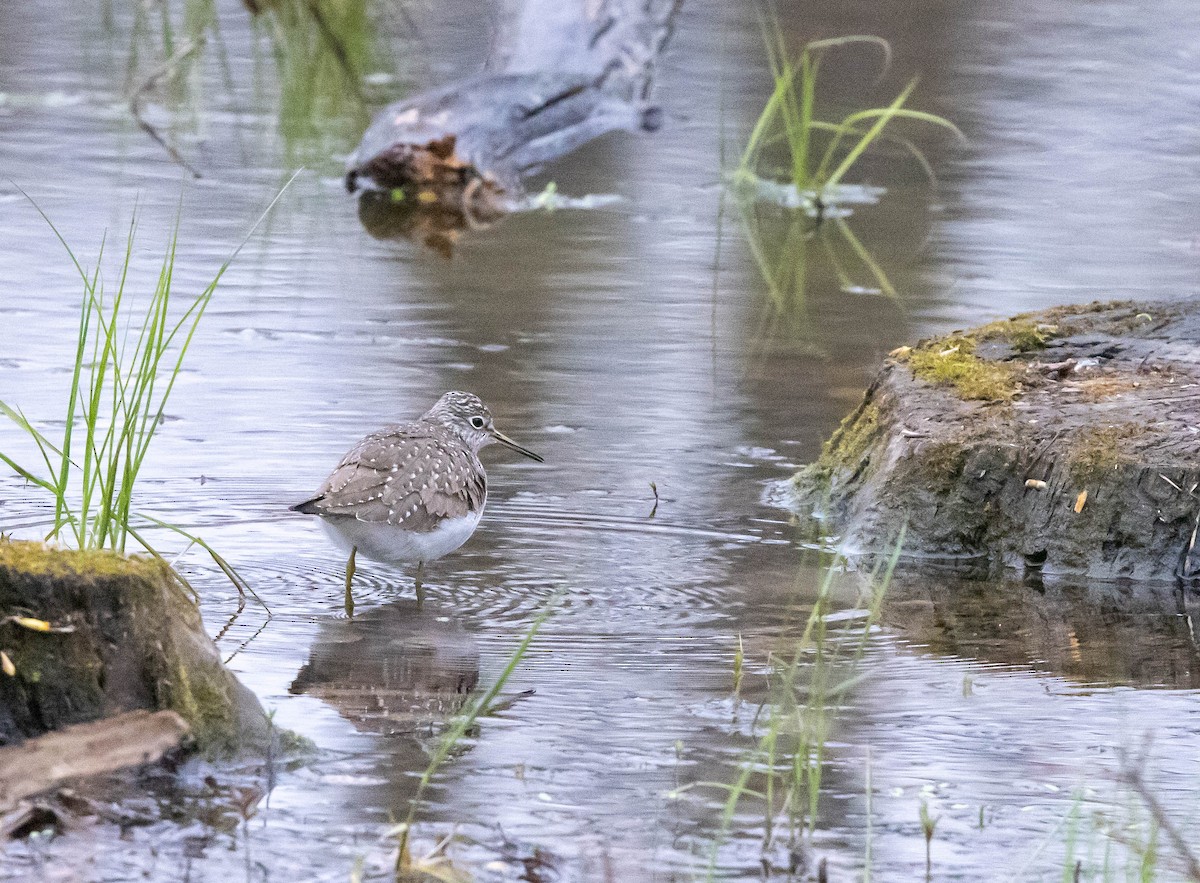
x,y
125,636
1064,441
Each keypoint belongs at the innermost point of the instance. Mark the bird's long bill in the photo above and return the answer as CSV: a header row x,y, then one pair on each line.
x,y
509,443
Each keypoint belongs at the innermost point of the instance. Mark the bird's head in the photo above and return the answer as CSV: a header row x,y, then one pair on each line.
x,y
467,416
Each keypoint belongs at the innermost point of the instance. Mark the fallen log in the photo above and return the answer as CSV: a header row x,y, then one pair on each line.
x,y
1062,442
83,750
561,74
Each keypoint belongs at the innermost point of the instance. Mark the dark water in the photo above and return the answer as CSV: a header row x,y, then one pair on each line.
x,y
629,344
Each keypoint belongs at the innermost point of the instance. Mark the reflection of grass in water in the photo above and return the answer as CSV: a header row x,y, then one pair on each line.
x,y
125,366
782,773
435,863
321,51
322,48
789,250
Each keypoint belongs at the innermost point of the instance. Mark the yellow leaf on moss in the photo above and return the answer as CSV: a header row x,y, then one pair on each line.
x,y
34,625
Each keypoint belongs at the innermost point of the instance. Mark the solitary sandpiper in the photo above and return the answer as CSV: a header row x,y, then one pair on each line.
x,y
411,492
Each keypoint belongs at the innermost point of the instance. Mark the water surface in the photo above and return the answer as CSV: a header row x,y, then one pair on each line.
x,y
632,344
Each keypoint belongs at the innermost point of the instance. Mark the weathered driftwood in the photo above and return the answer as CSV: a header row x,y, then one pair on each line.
x,y
126,636
1064,442
125,740
562,73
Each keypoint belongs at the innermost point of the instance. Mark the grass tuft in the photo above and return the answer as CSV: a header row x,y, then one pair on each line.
x,y
435,864
784,770
125,366
817,155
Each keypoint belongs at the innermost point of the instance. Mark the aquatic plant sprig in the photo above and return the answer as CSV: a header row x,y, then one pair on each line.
x,y
124,370
789,118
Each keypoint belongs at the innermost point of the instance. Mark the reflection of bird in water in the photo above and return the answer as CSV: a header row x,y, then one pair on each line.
x,y
391,670
414,491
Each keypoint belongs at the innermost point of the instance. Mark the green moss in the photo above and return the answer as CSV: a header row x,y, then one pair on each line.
x,y
292,744
204,702
1022,333
853,437
1065,311
951,361
137,641
1095,452
38,559
938,465
846,448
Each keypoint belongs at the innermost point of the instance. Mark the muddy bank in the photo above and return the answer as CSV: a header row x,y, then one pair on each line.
x,y
124,635
1060,442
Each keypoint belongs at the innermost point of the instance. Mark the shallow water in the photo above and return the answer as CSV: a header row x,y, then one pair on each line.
x,y
630,344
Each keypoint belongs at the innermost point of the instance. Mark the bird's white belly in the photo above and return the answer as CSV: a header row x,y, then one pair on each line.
x,y
385,542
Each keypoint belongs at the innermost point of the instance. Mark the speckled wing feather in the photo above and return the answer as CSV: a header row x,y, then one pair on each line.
x,y
409,476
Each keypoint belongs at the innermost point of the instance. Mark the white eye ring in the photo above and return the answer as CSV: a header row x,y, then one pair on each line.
x,y
477,422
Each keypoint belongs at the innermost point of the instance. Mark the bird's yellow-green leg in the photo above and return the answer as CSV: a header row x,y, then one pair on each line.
x,y
350,568
420,587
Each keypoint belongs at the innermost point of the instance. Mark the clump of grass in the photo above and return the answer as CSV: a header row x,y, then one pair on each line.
x,y
819,154
126,363
952,362
794,160
327,55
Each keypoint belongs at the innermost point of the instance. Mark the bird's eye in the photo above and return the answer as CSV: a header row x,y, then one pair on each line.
x,y
477,422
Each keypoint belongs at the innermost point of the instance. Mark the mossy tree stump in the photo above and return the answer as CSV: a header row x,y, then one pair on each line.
x,y
136,641
1066,441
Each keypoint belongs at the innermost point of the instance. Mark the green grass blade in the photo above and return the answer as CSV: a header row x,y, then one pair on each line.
x,y
867,259
154,553
853,39
883,118
233,576
26,474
